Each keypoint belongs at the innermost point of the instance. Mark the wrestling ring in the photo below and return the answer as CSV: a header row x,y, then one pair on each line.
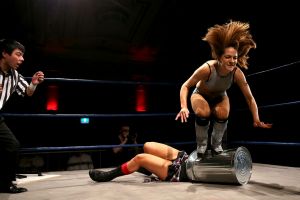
x,y
270,179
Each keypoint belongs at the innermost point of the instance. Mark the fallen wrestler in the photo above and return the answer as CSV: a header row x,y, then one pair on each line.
x,y
166,162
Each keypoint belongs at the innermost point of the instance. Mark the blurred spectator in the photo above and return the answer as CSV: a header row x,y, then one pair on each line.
x,y
126,136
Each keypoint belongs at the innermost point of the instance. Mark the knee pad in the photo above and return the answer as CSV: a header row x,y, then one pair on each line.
x,y
220,125
221,120
202,121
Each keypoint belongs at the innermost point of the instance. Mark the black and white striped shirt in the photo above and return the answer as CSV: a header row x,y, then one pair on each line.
x,y
11,82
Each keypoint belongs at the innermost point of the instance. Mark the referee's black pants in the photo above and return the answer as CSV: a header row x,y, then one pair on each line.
x,y
9,153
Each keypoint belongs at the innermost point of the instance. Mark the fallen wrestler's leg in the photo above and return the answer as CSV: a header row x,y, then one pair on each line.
x,y
152,163
144,171
158,149
161,150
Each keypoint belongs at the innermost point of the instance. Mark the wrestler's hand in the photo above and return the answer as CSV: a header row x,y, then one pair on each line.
x,y
262,125
183,115
37,78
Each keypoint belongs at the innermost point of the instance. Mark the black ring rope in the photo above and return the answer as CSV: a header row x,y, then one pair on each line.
x,y
91,147
275,68
266,143
280,104
145,83
88,115
63,149
125,114
273,105
106,81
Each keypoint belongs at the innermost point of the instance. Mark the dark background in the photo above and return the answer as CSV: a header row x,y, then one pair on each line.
x,y
156,44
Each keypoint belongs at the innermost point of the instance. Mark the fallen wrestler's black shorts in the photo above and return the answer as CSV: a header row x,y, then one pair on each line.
x,y
177,170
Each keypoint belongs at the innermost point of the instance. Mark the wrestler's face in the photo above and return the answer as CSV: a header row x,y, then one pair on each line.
x,y
229,58
15,59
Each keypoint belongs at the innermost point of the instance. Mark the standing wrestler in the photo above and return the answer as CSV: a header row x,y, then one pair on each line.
x,y
230,44
166,162
11,81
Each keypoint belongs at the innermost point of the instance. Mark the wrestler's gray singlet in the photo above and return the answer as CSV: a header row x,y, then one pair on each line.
x,y
218,84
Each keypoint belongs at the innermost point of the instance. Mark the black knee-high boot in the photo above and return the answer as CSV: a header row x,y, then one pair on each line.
x,y
104,176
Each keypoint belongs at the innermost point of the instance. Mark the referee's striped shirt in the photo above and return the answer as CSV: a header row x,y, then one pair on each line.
x,y
11,82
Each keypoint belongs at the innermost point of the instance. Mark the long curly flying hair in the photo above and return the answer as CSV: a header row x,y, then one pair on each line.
x,y
232,34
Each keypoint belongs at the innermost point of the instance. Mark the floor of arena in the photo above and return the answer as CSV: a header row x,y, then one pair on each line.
x,y
267,182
